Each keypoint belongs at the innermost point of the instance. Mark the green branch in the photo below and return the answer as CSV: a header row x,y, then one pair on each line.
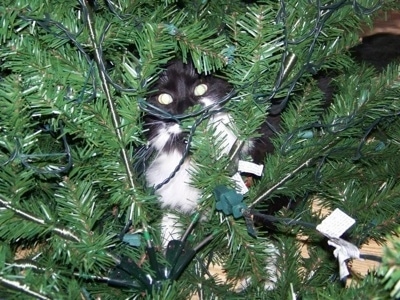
x,y
111,105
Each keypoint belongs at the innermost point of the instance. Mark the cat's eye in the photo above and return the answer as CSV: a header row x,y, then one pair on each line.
x,y
165,99
200,90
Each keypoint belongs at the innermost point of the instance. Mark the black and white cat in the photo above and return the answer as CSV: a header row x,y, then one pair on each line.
x,y
178,88
181,87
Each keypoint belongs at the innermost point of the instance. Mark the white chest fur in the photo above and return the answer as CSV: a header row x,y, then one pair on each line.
x,y
179,193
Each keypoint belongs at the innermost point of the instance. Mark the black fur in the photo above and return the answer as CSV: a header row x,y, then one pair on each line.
x,y
378,50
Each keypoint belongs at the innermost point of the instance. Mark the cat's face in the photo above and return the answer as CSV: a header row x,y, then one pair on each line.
x,y
181,87
178,88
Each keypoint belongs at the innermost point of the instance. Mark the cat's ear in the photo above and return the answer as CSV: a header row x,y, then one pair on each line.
x,y
163,78
189,66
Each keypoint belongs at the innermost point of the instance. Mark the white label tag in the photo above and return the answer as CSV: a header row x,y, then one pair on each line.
x,y
240,185
335,224
249,167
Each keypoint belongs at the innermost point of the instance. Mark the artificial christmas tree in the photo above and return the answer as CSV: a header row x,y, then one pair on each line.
x,y
77,220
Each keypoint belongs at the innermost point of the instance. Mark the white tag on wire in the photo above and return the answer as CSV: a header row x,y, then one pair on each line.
x,y
249,167
240,185
335,224
344,250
